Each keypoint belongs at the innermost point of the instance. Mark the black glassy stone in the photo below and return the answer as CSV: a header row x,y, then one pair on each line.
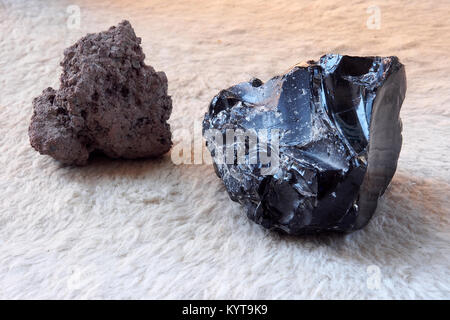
x,y
339,135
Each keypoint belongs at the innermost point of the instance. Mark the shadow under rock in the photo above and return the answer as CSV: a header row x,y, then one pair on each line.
x,y
412,215
100,167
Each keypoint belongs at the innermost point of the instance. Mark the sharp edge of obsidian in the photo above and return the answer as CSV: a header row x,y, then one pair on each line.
x,y
339,142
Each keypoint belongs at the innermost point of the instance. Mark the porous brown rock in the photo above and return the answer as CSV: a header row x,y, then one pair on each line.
x,y
109,101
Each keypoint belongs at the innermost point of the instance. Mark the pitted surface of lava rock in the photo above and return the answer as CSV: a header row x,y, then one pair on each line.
x,y
109,101
339,139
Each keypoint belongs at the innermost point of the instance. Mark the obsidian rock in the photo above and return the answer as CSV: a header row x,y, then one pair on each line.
x,y
335,151
109,101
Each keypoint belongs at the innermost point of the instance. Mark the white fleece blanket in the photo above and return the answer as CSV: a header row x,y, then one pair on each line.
x,y
153,229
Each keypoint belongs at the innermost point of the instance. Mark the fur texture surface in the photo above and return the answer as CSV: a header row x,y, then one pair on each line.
x,y
154,229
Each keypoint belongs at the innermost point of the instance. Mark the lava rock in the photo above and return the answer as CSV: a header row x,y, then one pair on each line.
x,y
109,101
332,132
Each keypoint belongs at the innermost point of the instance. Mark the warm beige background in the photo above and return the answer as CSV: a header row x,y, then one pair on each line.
x,y
150,229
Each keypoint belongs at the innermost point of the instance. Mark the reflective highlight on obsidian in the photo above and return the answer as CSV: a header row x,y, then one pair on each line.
x,y
340,138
